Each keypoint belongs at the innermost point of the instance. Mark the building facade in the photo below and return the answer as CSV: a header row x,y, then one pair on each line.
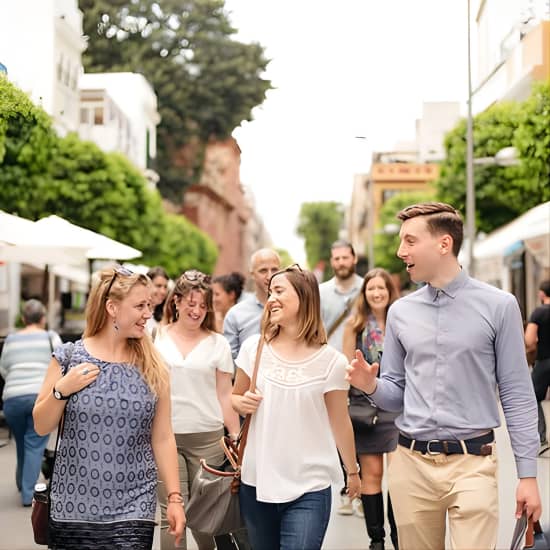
x,y
119,112
45,59
218,206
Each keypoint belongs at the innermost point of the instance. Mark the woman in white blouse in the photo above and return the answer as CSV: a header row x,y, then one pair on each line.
x,y
201,370
299,420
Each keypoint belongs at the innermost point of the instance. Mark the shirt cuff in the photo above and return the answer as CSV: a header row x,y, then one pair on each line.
x,y
526,467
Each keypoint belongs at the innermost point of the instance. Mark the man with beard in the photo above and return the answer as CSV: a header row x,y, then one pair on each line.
x,y
338,293
337,297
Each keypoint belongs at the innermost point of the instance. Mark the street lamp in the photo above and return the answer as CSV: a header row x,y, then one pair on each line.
x,y
370,210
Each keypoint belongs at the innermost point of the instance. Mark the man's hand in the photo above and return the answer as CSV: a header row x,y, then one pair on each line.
x,y
528,498
362,375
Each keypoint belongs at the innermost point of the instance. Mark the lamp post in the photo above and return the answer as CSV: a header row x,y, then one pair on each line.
x,y
470,191
370,214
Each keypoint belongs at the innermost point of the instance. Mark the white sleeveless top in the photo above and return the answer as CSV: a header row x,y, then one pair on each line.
x,y
290,449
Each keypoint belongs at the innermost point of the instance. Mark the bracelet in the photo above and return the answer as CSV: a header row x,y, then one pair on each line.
x,y
174,493
357,470
178,500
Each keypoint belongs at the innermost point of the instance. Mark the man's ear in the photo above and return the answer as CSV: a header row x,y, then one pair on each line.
x,y
446,244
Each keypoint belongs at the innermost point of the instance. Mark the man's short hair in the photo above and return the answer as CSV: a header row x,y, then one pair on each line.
x,y
441,218
545,287
33,312
342,243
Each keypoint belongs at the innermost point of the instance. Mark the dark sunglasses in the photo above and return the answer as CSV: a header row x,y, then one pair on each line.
x,y
119,270
196,276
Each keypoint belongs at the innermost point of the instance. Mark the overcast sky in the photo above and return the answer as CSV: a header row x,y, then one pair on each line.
x,y
340,69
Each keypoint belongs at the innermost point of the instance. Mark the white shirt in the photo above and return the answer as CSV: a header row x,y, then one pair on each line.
x,y
290,449
195,405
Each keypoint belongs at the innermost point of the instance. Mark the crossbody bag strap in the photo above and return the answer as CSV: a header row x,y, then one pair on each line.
x,y
338,321
246,424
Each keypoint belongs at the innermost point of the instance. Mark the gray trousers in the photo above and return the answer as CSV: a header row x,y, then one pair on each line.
x,y
191,448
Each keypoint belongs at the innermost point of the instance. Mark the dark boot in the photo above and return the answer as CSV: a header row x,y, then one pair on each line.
x,y
373,506
393,526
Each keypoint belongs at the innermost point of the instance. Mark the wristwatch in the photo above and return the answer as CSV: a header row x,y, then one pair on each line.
x,y
59,396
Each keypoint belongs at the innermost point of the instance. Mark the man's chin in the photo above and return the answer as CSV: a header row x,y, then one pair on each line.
x,y
344,275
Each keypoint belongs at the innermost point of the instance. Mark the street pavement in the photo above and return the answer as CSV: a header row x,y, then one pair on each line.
x,y
344,532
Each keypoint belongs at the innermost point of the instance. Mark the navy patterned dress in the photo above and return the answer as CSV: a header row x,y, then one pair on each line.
x,y
103,489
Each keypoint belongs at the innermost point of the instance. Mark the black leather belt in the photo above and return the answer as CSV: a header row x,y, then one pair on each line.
x,y
476,446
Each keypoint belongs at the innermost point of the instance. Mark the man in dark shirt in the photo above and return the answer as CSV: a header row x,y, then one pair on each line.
x,y
537,336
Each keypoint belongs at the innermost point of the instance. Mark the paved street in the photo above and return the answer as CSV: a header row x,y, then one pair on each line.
x,y
344,533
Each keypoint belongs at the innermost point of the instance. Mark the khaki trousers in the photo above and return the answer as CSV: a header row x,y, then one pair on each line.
x,y
426,489
191,448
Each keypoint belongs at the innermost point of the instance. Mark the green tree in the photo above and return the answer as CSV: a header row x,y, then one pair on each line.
x,y
532,140
502,192
386,240
286,258
42,174
207,82
319,224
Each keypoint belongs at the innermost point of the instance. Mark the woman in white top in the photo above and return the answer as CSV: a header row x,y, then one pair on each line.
x,y
299,420
201,370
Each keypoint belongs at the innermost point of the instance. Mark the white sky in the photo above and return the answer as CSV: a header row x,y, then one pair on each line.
x,y
340,69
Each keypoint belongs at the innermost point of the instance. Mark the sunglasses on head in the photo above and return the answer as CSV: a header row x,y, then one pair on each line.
x,y
196,276
290,268
122,272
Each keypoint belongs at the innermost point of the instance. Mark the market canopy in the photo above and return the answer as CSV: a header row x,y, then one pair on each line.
x,y
22,241
98,246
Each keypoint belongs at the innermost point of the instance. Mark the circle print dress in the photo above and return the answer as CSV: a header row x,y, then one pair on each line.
x,y
103,487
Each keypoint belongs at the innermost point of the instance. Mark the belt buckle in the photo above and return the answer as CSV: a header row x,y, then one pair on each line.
x,y
429,451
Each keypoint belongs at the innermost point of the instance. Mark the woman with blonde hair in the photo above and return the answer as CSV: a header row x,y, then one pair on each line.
x,y
201,369
112,390
365,331
299,419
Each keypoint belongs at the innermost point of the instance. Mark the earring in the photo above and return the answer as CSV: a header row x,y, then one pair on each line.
x,y
115,324
177,314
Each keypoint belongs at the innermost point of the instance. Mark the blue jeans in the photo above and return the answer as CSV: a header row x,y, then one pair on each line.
x,y
297,525
29,445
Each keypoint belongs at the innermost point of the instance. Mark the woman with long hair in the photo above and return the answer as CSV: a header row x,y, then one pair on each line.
x,y
201,369
113,392
365,331
24,361
226,292
299,419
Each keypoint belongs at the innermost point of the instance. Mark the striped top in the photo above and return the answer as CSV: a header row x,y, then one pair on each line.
x,y
24,361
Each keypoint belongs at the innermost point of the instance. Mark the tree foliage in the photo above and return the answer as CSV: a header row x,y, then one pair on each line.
x,y
207,82
319,224
502,192
42,174
386,241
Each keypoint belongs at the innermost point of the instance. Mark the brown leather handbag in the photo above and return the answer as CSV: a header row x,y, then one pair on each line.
x,y
213,507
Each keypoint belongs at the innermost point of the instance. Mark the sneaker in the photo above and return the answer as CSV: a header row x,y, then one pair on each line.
x,y
357,506
544,447
346,507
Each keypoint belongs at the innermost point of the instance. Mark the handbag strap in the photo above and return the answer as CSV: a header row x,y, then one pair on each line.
x,y
243,436
338,321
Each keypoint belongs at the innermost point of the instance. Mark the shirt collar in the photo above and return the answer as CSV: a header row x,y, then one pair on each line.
x,y
452,288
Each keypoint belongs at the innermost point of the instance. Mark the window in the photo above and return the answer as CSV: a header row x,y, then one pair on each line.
x,y
98,116
84,116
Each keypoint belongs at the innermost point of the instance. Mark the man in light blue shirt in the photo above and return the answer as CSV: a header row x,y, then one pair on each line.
x,y
449,347
243,319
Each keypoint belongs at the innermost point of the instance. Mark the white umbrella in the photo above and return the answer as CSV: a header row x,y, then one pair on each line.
x,y
22,241
98,246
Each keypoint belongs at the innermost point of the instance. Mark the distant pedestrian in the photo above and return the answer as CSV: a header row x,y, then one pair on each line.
x,y
299,419
365,331
201,371
337,297
449,348
226,292
160,281
23,364
113,391
537,337
243,319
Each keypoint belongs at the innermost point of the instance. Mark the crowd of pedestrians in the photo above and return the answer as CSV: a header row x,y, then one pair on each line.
x,y
163,371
